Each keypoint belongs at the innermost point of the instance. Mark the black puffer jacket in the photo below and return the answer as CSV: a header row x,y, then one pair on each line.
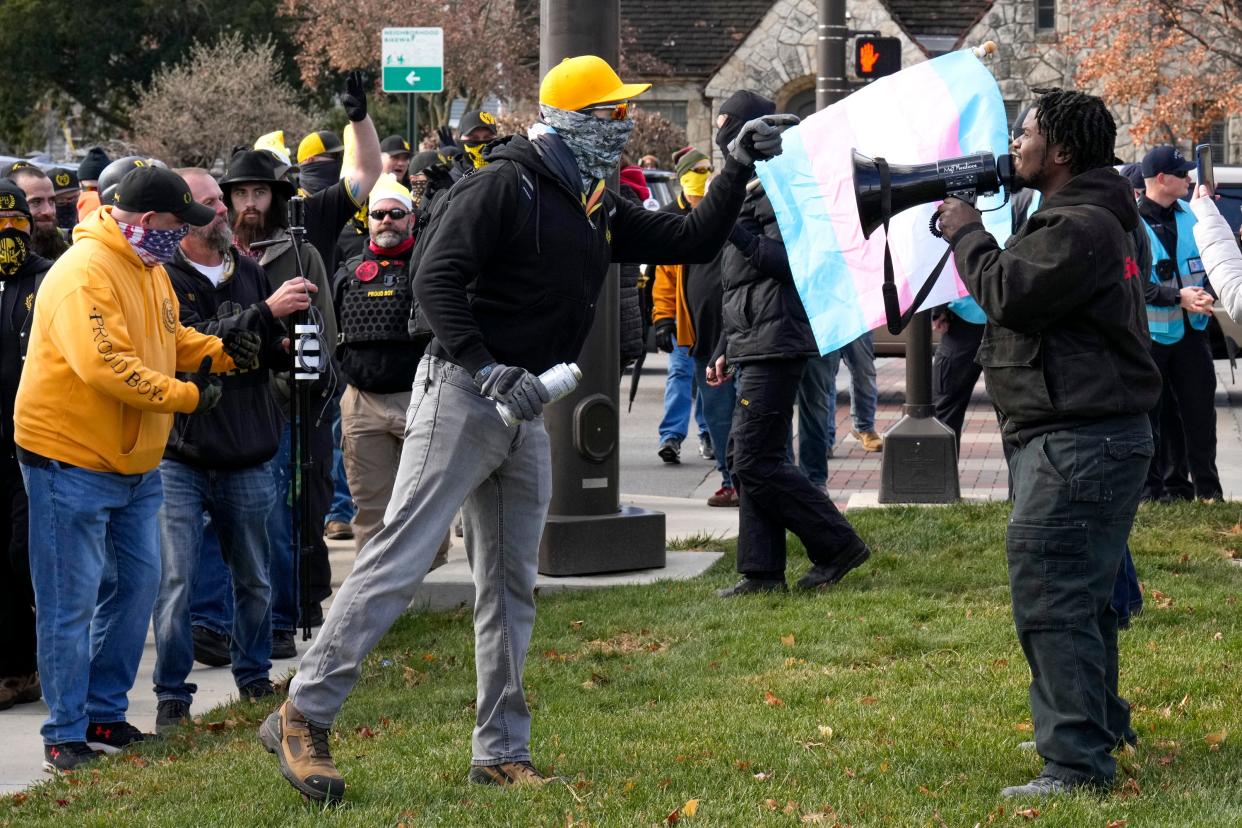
x,y
1066,342
518,286
763,315
243,430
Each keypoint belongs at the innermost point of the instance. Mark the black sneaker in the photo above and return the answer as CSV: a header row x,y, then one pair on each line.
x,y
211,648
705,447
283,645
1041,786
67,756
257,689
670,451
822,576
169,715
112,737
753,586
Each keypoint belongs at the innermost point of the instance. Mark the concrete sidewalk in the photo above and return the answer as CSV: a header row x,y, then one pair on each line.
x,y
22,757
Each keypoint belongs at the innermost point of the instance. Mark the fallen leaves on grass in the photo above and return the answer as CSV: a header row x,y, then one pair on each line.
x,y
225,724
771,698
625,643
763,777
1130,789
789,640
1215,740
826,732
868,700
414,677
1028,813
18,798
688,810
1163,600
596,680
1116,823
364,732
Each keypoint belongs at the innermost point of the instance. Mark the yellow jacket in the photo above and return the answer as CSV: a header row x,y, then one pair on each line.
x,y
97,390
668,301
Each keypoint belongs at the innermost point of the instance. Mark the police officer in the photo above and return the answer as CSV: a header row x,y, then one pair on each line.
x,y
21,271
377,355
1179,306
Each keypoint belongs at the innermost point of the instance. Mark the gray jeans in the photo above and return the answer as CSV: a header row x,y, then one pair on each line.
x,y
457,451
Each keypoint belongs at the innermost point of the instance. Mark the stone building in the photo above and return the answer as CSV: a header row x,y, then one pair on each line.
x,y
710,48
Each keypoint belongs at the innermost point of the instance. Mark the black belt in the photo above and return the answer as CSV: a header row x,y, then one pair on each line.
x,y
29,458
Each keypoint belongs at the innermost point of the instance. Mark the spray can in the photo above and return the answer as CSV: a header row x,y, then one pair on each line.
x,y
560,380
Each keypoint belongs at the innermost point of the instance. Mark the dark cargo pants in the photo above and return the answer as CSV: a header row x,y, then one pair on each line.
x,y
1075,495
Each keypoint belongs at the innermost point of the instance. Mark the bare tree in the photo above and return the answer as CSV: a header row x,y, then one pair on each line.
x,y
222,95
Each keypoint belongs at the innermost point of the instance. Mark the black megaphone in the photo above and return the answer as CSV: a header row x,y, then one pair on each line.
x,y
908,185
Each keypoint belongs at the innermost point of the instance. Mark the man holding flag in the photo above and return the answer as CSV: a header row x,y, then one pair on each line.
x,y
1066,361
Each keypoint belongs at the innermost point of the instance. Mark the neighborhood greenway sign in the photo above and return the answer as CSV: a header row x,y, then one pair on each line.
x,y
413,60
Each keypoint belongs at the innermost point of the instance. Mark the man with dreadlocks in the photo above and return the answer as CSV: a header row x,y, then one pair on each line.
x,y
1067,364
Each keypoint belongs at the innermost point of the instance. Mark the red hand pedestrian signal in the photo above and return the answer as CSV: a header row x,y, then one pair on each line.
x,y
867,56
875,57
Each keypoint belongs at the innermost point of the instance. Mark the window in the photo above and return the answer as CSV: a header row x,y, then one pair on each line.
x,y
1012,108
1217,138
1045,15
672,111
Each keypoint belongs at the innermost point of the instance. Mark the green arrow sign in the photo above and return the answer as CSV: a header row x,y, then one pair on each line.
x,y
413,59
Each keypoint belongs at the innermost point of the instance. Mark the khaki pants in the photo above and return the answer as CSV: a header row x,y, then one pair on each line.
x,y
372,431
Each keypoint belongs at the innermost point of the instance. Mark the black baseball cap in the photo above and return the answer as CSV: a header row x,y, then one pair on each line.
x,y
64,180
1165,159
395,145
474,119
12,198
155,189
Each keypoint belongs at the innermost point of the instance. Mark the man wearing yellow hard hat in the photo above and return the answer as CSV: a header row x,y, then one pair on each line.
x,y
509,293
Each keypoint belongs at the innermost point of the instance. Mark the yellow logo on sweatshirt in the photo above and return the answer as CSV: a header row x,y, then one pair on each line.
x,y
170,321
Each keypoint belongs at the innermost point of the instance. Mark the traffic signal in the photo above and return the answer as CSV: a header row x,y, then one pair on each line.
x,y
875,57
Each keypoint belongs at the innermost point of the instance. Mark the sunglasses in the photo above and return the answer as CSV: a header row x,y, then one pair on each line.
x,y
15,223
396,214
1179,174
609,112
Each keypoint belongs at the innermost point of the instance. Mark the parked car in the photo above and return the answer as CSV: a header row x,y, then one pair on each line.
x,y
660,182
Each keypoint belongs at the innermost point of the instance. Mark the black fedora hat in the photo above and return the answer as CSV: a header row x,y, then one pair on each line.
x,y
255,166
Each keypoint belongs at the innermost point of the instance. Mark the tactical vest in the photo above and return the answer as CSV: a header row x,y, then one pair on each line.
x,y
1165,322
375,303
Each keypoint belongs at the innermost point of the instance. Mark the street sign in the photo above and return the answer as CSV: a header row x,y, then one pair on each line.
x,y
875,57
413,59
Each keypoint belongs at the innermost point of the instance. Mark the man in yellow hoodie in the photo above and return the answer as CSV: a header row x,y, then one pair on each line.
x,y
91,421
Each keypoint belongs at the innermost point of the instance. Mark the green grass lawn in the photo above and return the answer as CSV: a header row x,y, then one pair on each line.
x,y
898,698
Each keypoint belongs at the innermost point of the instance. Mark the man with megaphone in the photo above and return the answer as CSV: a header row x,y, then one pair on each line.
x,y
1066,361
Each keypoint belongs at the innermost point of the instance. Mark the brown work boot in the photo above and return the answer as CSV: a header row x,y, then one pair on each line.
x,y
302,749
509,773
19,690
870,440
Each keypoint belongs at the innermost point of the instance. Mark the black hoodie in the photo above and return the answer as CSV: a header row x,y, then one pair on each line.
x,y
243,430
1066,342
17,293
526,295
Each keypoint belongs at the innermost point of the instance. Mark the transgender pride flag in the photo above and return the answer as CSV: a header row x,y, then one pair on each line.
x,y
946,107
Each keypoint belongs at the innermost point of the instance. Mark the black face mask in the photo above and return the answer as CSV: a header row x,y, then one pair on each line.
x,y
14,248
319,175
67,216
726,134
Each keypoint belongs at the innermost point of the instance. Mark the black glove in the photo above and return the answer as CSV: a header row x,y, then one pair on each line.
x,y
760,138
355,98
243,347
209,388
445,135
665,335
514,387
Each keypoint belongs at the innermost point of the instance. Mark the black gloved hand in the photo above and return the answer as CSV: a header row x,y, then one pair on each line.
x,y
514,387
665,335
445,136
760,138
244,347
355,97
209,388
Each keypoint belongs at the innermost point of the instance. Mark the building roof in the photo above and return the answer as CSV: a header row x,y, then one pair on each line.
x,y
691,37
952,18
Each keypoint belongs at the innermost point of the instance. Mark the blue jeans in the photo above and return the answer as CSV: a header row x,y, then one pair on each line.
x,y
859,355
342,508
817,405
1127,598
211,592
239,503
95,565
679,393
716,406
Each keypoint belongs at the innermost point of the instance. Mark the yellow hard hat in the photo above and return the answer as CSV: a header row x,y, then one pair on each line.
x,y
586,80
